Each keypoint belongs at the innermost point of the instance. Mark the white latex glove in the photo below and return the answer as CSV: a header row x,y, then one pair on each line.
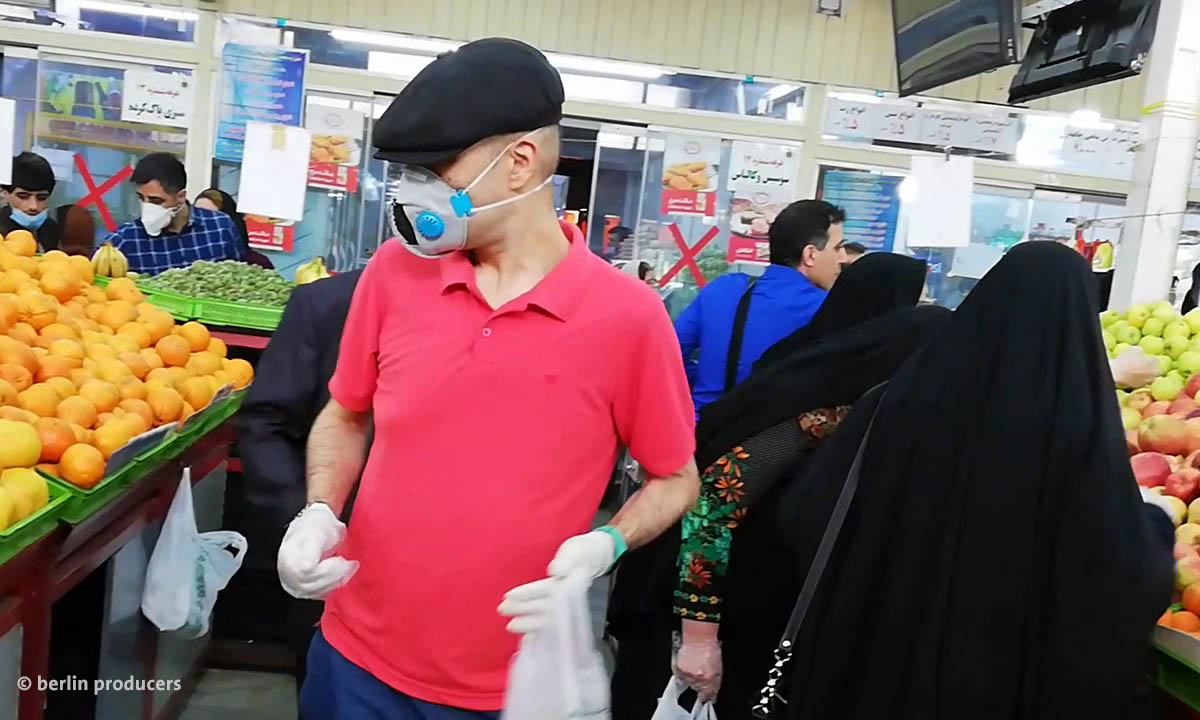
x,y
307,567
698,659
588,556
1157,501
1134,368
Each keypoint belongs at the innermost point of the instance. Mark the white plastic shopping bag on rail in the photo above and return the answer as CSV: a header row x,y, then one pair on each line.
x,y
670,709
558,674
188,568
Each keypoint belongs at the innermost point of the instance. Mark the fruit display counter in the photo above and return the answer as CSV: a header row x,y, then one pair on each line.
x,y
1162,435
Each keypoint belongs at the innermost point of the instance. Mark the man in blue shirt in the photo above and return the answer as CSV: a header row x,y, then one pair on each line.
x,y
806,258
170,232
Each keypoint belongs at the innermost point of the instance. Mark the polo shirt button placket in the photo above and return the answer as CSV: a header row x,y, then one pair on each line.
x,y
487,332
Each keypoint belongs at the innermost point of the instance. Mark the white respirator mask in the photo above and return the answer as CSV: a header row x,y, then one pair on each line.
x,y
430,217
156,218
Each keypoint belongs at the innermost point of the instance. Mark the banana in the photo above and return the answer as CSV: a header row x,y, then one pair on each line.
x,y
100,261
311,271
110,262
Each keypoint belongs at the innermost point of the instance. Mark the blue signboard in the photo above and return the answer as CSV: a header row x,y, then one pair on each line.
x,y
871,202
258,83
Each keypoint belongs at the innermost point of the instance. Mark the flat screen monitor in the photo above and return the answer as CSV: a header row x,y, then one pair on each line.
x,y
940,41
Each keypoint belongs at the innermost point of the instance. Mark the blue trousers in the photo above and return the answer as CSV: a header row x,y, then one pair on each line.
x,y
337,689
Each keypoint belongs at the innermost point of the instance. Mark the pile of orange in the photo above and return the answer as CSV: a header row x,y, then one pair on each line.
x,y
84,369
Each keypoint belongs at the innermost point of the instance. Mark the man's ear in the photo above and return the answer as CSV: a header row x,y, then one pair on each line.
x,y
808,256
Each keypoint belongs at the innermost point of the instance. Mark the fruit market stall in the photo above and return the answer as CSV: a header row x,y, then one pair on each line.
x,y
104,399
1162,435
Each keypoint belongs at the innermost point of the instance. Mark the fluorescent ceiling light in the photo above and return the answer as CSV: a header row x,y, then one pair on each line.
x,y
405,42
338,103
1090,119
857,97
18,12
142,10
606,67
780,90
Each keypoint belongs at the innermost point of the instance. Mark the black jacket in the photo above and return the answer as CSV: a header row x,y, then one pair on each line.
x,y
47,235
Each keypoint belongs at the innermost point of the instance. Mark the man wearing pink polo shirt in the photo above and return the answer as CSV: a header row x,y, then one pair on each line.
x,y
503,364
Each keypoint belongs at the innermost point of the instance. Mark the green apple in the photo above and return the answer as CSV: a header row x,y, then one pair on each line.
x,y
1122,396
1130,418
1193,320
1109,317
1177,328
1177,377
1128,334
1164,363
1153,326
1176,346
1165,388
1188,362
1137,314
1120,348
1163,311
1109,340
1194,511
1153,345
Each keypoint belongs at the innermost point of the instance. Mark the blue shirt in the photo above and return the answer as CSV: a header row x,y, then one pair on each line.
x,y
208,235
783,301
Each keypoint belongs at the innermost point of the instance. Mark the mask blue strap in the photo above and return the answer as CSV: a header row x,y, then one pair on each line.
x,y
461,204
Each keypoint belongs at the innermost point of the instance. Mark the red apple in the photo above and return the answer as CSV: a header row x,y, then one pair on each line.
x,y
1192,460
1158,407
1139,399
1192,427
1131,443
1184,484
1150,469
1183,550
1163,434
1193,386
1182,406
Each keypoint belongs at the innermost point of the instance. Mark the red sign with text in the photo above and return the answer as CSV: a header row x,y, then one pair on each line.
x,y
687,202
270,234
333,176
744,249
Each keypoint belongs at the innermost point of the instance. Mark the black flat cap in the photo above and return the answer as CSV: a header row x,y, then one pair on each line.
x,y
489,87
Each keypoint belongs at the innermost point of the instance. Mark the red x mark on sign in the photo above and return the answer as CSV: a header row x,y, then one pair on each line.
x,y
689,254
96,194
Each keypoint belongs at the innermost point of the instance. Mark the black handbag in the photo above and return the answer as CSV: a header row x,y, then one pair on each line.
x,y
768,696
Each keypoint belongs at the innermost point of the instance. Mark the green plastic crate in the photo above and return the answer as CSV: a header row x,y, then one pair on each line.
x,y
207,420
181,307
82,503
222,312
21,535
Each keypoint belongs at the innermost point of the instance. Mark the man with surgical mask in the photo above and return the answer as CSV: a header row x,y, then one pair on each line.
x,y
503,364
170,232
27,198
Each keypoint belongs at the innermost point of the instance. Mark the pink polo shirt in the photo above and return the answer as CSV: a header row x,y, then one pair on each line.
x,y
496,432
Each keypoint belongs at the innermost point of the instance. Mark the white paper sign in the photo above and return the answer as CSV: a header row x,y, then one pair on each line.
x,y
8,118
274,171
849,119
939,214
1101,151
157,98
62,162
899,123
945,127
993,132
755,167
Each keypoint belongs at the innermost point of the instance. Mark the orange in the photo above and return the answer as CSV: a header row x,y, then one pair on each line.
x,y
131,387
58,331
8,393
166,403
55,366
64,387
79,376
10,305
123,343
176,376
39,399
101,420
1191,598
116,313
16,375
50,469
100,350
81,465
217,347
17,353
174,350
18,415
82,434
60,283
95,311
20,444
240,372
112,370
1185,621
104,395
159,323
138,332
21,242
124,289
79,410
57,436
137,365
153,359
162,375
196,391
188,411
23,333
134,423
82,268
111,437
204,363
196,335
133,406
68,348
38,310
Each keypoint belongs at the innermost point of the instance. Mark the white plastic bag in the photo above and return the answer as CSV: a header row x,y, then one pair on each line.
x,y
557,673
188,568
670,709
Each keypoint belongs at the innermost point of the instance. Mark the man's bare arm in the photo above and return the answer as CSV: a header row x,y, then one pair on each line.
x,y
655,507
336,447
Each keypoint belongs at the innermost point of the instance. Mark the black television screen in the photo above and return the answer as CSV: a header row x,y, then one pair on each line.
x,y
1085,44
940,41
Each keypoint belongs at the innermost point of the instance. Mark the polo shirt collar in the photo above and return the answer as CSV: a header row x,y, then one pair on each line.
x,y
786,274
557,294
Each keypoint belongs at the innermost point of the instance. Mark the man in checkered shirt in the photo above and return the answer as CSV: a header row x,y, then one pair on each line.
x,y
171,232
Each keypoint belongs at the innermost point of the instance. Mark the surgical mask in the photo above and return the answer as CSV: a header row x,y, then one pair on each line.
x,y
27,221
430,216
156,218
